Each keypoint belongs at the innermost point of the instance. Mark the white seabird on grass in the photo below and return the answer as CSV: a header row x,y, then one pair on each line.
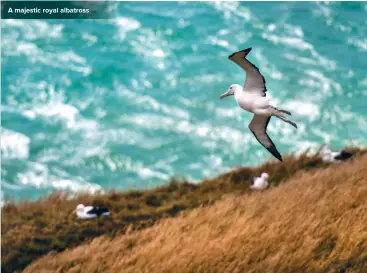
x,y
252,98
260,183
335,157
90,212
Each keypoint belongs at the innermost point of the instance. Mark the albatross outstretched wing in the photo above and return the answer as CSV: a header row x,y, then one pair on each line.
x,y
255,81
258,127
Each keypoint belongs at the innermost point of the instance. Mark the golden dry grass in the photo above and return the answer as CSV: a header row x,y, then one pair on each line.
x,y
316,222
33,229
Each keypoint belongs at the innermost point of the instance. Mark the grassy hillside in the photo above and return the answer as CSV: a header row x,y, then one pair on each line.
x,y
317,222
33,229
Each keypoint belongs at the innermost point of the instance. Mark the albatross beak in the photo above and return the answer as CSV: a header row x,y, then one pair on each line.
x,y
226,94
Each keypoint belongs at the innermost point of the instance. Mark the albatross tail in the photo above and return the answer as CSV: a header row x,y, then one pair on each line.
x,y
281,114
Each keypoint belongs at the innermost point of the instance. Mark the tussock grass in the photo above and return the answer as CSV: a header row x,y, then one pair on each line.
x,y
33,229
317,222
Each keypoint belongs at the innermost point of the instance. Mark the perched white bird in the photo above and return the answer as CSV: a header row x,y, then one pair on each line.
x,y
252,98
89,212
335,157
260,183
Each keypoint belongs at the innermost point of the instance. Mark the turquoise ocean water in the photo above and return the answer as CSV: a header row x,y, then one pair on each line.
x,y
131,101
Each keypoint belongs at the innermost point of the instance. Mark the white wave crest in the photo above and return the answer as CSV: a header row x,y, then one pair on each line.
x,y
232,9
39,176
147,102
203,130
14,145
127,164
359,43
151,45
126,25
295,42
35,29
64,112
67,60
303,108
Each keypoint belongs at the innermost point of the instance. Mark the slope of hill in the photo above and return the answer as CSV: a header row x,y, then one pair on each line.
x,y
316,222
32,229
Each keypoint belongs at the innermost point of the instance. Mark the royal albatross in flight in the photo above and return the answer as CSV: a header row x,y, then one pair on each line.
x,y
252,98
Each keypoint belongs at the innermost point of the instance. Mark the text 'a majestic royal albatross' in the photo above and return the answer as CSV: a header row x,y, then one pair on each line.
x,y
252,98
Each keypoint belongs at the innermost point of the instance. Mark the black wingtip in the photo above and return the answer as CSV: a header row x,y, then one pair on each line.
x,y
275,153
230,56
277,156
245,51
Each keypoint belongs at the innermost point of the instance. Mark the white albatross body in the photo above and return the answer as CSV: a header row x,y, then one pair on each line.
x,y
251,102
252,98
90,212
260,183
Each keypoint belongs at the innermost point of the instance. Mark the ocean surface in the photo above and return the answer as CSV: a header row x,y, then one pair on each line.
x,y
133,100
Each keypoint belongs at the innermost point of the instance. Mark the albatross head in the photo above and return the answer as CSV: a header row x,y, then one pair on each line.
x,y
79,208
231,90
